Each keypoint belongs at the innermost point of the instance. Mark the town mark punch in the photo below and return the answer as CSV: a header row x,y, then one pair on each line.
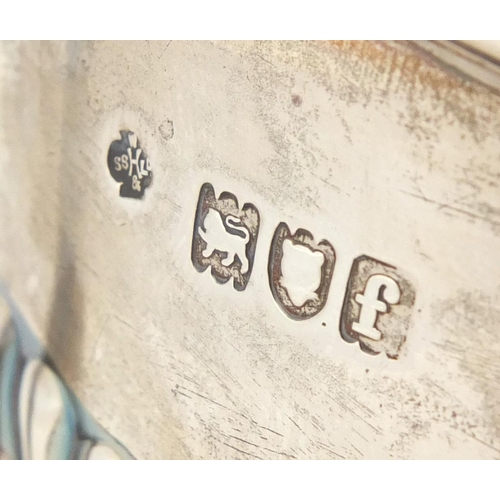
x,y
281,292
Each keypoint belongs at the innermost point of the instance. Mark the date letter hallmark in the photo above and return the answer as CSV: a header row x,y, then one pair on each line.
x,y
129,165
300,272
377,307
224,237
378,301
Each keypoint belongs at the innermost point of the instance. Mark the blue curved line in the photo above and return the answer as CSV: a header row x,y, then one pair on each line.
x,y
76,425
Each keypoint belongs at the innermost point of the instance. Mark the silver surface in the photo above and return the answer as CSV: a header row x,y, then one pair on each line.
x,y
374,147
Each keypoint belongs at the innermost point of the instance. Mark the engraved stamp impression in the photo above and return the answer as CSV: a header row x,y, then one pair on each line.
x,y
224,237
284,242
377,307
129,165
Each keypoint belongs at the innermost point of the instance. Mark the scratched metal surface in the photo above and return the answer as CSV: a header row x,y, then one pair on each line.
x,y
376,148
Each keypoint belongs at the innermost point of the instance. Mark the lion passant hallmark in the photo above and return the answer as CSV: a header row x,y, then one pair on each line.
x,y
378,299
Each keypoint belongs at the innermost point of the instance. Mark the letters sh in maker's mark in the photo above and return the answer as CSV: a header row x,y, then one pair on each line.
x,y
129,165
224,237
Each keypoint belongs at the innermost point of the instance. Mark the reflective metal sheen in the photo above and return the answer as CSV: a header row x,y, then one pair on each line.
x,y
270,250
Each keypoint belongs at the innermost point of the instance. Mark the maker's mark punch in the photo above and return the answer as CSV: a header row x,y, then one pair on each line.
x,y
129,165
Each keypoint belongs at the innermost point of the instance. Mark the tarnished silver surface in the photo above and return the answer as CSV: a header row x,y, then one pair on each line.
x,y
381,159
